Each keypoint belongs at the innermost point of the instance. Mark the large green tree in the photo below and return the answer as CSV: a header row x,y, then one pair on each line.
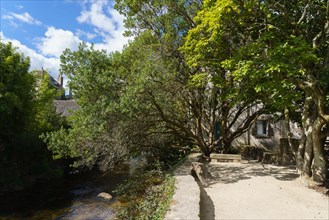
x,y
16,92
293,50
194,102
24,114
222,28
94,135
282,55
116,115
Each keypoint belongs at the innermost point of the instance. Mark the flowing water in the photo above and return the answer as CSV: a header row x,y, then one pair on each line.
x,y
74,197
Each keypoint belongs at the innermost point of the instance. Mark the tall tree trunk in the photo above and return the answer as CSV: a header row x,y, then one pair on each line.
x,y
224,127
308,118
206,150
300,153
288,131
308,155
320,166
227,145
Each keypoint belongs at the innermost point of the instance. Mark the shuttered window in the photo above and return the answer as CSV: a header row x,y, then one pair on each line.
x,y
262,128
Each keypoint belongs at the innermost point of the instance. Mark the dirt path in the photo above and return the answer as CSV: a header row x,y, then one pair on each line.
x,y
254,191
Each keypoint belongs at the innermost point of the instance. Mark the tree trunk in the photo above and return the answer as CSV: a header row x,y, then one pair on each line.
x,y
308,155
308,118
224,127
207,153
320,167
300,154
289,134
227,145
206,150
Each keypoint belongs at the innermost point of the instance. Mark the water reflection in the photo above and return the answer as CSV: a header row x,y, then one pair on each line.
x,y
70,198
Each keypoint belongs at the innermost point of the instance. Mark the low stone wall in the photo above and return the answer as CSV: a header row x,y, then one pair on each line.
x,y
225,158
186,200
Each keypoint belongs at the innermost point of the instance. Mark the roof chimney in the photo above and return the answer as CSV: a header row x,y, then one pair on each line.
x,y
60,80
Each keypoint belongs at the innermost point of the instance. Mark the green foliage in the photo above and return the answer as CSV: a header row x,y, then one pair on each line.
x,y
258,45
189,70
24,114
148,193
25,161
46,118
94,136
16,92
147,196
167,19
213,48
273,51
120,95
117,95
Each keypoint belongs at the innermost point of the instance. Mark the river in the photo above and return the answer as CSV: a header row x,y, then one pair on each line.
x,y
74,197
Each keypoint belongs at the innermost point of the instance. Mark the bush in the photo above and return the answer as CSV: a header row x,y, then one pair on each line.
x,y
25,161
145,196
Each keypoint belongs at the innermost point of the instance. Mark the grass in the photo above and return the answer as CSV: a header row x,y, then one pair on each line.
x,y
146,196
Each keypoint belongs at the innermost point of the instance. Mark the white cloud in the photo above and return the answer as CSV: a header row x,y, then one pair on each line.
x,y
89,35
37,61
96,17
24,17
56,41
107,22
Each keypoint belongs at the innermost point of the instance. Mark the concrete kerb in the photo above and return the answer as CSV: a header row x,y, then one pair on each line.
x,y
186,200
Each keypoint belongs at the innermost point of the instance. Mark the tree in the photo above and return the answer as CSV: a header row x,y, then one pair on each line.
x,y
115,117
46,118
220,31
22,120
191,102
16,93
295,50
94,133
275,47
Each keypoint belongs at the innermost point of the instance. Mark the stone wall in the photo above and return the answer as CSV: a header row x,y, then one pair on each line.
x,y
186,199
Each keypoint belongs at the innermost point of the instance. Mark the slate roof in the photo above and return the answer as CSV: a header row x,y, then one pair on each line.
x,y
52,80
65,107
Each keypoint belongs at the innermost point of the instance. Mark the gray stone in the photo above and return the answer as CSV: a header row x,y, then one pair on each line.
x,y
105,196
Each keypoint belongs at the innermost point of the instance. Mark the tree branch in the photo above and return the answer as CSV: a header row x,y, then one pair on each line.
x,y
238,114
247,124
301,19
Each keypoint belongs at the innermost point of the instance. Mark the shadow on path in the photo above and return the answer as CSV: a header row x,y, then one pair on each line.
x,y
231,173
207,207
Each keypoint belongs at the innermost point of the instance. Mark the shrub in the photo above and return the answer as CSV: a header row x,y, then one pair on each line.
x,y
145,196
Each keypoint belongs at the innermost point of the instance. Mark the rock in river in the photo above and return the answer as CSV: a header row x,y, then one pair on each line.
x,y
105,196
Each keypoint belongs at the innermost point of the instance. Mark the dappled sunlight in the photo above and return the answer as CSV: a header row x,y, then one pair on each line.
x,y
228,173
260,191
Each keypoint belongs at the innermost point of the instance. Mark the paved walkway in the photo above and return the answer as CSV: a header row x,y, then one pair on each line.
x,y
256,191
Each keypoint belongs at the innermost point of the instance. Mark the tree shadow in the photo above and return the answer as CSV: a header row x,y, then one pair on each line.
x,y
227,173
207,207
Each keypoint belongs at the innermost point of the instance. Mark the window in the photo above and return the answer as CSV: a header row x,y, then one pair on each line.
x,y
262,128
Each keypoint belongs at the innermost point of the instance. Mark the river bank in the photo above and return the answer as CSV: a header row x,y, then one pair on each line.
x,y
73,197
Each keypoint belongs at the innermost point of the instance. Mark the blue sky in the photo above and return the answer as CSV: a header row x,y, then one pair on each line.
x,y
43,29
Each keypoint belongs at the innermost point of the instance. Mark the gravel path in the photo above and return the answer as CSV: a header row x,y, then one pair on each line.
x,y
256,191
